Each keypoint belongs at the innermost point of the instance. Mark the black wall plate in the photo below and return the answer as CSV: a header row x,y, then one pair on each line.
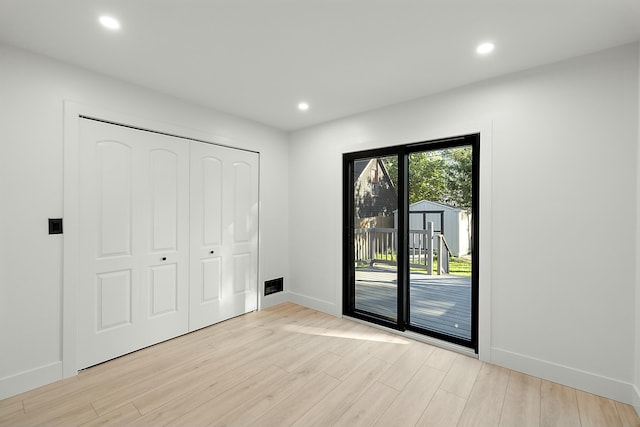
x,y
55,225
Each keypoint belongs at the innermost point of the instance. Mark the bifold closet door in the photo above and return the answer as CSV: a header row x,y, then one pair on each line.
x,y
134,240
224,233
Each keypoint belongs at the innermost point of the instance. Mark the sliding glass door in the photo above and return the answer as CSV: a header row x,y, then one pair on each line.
x,y
411,238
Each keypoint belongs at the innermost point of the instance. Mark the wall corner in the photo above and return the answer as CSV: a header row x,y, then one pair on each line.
x,y
636,358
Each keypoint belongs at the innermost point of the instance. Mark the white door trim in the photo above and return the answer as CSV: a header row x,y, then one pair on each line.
x,y
71,129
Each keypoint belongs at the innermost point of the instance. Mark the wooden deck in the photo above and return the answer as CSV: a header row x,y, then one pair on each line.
x,y
438,303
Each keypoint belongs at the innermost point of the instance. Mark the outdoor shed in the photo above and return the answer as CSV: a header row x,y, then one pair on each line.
x,y
454,223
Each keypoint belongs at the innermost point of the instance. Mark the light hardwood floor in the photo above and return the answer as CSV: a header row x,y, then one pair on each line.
x,y
290,365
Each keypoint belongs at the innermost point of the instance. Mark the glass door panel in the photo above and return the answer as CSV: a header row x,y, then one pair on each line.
x,y
440,240
375,237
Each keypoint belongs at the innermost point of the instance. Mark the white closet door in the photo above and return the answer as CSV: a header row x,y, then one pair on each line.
x,y
134,240
224,233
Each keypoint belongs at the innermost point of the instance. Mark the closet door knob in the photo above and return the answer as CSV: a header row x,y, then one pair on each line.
x,y
164,258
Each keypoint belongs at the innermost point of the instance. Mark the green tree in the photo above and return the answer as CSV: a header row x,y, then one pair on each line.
x,y
427,177
443,176
391,164
459,177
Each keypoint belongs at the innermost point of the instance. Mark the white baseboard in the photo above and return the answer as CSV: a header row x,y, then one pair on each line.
x,y
316,304
636,399
572,377
273,299
28,380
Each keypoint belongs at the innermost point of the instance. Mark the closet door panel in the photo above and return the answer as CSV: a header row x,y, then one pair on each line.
x,y
133,240
206,262
224,233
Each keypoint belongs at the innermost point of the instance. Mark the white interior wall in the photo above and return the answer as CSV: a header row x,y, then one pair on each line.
x,y
564,143
33,90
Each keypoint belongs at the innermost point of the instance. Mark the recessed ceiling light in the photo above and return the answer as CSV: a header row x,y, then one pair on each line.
x,y
303,106
110,23
485,48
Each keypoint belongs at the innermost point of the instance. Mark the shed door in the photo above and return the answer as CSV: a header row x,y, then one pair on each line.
x,y
134,240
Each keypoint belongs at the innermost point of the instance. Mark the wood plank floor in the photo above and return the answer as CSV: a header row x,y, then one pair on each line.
x,y
293,366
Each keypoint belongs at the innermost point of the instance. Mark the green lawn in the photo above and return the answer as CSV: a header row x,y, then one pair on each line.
x,y
460,266
457,266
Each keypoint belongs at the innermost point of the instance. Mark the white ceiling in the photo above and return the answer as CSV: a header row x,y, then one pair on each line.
x,y
259,58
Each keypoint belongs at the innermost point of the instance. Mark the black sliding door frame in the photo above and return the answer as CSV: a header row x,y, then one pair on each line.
x,y
402,320
348,288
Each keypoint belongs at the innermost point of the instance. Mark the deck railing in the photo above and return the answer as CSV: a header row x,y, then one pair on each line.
x,y
376,245
443,248
380,245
